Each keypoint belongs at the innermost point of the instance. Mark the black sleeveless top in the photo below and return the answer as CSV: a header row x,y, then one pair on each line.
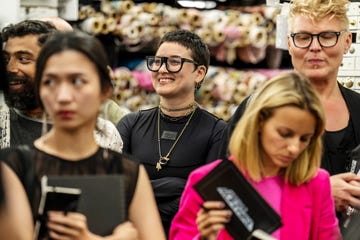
x,y
30,165
337,148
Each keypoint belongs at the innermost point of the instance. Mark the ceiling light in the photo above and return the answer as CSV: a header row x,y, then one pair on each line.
x,y
197,4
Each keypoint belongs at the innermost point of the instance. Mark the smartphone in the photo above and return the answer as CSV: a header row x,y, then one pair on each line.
x,y
54,198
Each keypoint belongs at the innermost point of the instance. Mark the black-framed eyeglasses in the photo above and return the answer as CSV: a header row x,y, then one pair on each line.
x,y
325,39
173,64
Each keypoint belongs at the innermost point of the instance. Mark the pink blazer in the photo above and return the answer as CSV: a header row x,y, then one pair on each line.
x,y
307,211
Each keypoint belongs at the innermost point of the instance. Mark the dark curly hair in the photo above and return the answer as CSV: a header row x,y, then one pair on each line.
x,y
28,27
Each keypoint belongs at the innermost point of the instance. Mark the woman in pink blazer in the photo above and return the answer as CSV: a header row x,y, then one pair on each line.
x,y
277,146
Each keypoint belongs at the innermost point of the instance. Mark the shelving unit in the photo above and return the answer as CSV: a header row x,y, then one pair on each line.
x,y
349,72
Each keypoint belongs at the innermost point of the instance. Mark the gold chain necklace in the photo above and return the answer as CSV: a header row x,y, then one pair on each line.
x,y
164,159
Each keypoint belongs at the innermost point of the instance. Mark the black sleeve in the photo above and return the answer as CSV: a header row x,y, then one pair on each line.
x,y
13,158
21,160
223,151
216,139
125,126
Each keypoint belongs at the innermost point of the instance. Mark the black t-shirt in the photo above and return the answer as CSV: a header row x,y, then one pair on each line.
x,y
198,145
23,130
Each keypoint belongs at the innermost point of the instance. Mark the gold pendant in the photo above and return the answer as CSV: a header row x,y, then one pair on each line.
x,y
162,161
158,166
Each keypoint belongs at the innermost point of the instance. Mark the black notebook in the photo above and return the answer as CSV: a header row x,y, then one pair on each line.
x,y
102,199
253,217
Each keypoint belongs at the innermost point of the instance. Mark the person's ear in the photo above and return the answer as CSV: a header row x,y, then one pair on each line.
x,y
348,42
201,72
289,44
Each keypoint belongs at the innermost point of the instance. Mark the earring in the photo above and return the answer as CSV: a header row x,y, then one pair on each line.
x,y
198,85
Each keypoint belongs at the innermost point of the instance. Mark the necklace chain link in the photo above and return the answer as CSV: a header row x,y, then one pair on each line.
x,y
164,159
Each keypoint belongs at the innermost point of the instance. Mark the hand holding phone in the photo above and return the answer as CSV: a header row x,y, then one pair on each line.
x,y
54,198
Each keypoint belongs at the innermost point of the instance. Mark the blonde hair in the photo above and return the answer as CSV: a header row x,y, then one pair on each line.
x,y
318,9
287,89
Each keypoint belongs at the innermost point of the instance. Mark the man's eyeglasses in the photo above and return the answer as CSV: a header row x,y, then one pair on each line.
x,y
325,39
173,64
